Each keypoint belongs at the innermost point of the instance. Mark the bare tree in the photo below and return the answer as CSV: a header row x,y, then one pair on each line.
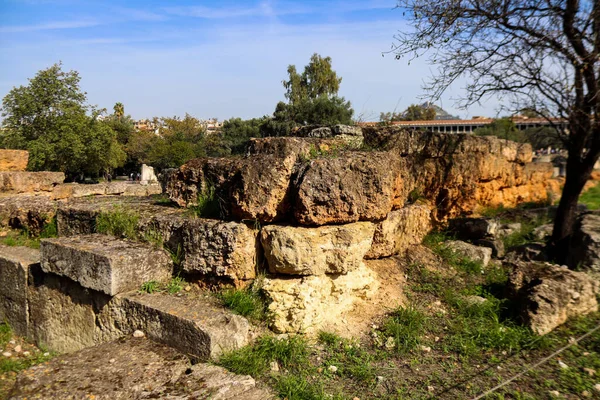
x,y
539,54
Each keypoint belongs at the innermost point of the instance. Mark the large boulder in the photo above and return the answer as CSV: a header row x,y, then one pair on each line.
x,y
303,305
335,249
400,230
26,212
585,244
13,160
357,186
549,294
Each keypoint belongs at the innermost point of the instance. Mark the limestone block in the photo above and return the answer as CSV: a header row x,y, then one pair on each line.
x,y
15,263
473,228
305,304
104,263
400,230
192,324
29,182
132,369
472,252
335,249
26,212
354,187
62,314
549,294
219,248
13,160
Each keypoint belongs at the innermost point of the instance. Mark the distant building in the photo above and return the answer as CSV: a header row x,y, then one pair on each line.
x,y
468,125
211,125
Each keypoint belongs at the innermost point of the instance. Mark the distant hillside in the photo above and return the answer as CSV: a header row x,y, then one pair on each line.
x,y
440,113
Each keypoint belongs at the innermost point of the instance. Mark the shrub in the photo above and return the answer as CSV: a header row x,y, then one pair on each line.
x,y
207,203
118,222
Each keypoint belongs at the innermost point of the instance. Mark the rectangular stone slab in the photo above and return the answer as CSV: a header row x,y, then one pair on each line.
x,y
104,263
15,263
191,322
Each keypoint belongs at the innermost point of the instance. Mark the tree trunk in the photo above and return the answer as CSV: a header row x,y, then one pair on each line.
x,y
578,173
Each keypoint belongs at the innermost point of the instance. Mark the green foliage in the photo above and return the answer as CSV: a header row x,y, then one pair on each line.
x,y
312,99
415,195
417,112
254,360
123,126
5,334
50,119
245,302
591,197
504,128
237,132
329,339
175,285
406,325
207,204
49,229
150,287
118,222
20,364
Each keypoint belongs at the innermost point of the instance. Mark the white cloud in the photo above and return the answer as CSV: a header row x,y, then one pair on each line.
x,y
84,23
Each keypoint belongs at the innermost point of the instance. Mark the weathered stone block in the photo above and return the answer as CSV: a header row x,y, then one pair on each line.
x,y
400,230
585,244
334,249
218,248
26,212
29,182
15,263
473,228
13,160
62,314
193,325
354,187
549,294
305,304
132,369
104,263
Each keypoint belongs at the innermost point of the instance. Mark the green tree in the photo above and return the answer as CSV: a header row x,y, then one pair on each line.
x,y
119,110
236,132
312,99
503,128
50,118
543,55
416,112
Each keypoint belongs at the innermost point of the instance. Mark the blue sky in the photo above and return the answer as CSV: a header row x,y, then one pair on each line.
x,y
213,58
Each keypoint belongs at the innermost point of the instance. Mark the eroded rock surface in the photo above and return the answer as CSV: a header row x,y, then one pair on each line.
x,y
549,294
305,304
104,263
13,160
29,182
400,230
585,244
472,252
334,249
132,369
15,263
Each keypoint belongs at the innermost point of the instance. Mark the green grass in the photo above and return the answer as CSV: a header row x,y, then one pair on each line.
x,y
290,353
20,238
5,334
406,325
19,364
118,222
591,197
245,302
207,203
173,286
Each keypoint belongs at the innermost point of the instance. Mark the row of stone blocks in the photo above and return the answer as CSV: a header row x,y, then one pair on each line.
x,y
77,292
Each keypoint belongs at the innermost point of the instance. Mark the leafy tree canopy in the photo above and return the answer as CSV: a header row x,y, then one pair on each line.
x,y
50,118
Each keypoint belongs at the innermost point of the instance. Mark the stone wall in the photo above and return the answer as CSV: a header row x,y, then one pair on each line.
x,y
13,160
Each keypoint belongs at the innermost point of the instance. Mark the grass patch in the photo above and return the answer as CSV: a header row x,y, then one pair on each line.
x,y
591,197
150,287
5,334
50,229
298,387
118,222
405,325
19,364
207,203
20,238
175,285
245,302
291,354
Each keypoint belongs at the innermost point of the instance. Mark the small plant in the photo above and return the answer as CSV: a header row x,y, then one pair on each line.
x,y
176,256
150,287
245,302
50,229
330,339
207,203
406,325
5,334
118,222
154,237
415,195
175,285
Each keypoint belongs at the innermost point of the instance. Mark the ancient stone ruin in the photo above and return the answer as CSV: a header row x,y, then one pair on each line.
x,y
314,217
